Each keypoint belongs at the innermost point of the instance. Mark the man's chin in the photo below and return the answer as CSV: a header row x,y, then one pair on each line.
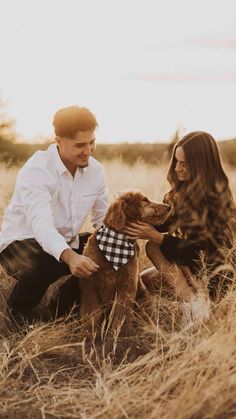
x,y
83,164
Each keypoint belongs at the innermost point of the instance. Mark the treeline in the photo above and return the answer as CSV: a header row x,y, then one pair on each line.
x,y
130,153
156,153
16,153
13,153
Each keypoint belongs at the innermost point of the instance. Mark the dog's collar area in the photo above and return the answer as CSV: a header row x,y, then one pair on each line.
x,y
118,234
115,246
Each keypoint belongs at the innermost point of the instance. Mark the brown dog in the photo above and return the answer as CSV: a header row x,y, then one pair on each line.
x,y
118,275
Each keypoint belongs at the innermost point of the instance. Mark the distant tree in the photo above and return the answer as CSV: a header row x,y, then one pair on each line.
x,y
178,134
7,132
7,136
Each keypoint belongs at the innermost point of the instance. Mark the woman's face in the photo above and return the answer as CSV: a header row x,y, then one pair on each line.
x,y
180,164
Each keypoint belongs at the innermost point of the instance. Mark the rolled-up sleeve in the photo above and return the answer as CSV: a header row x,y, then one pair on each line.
x,y
163,228
36,188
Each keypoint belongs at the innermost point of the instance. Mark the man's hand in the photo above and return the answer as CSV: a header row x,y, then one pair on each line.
x,y
79,265
140,230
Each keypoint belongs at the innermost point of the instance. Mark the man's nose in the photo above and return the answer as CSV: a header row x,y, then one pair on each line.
x,y
87,149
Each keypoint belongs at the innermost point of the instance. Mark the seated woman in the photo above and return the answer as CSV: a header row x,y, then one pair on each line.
x,y
200,228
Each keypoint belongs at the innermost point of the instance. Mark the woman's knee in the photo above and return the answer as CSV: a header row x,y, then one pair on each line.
x,y
151,280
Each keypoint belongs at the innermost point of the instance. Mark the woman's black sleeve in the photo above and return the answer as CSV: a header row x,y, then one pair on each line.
x,y
163,228
181,250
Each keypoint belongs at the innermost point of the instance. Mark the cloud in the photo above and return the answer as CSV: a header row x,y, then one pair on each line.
x,y
184,77
229,43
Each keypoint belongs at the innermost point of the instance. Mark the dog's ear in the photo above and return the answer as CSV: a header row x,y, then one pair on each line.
x,y
115,217
132,209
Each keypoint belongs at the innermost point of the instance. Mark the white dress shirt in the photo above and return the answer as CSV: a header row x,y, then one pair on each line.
x,y
50,205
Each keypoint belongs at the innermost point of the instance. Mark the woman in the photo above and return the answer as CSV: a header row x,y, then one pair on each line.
x,y
201,225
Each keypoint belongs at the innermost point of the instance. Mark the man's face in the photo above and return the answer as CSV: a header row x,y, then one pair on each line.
x,y
76,152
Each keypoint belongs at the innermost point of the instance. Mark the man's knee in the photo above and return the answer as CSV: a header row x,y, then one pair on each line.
x,y
19,257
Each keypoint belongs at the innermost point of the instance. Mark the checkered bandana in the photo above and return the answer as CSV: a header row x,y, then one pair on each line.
x,y
116,248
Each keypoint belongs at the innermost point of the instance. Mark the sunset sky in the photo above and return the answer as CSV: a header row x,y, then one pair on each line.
x,y
144,67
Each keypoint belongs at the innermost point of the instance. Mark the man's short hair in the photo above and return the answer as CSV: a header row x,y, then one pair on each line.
x,y
68,121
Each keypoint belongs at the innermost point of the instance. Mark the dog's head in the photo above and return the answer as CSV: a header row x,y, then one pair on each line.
x,y
134,206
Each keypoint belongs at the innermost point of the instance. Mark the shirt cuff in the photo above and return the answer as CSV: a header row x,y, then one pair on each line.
x,y
58,249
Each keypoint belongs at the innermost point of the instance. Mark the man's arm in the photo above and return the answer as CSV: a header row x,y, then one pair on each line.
x,y
36,191
35,187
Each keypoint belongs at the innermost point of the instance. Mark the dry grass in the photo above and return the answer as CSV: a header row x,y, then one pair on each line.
x,y
47,370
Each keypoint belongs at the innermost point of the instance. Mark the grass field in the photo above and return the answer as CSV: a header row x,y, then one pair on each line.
x,y
46,370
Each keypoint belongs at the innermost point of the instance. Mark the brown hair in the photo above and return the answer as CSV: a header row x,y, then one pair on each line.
x,y
68,121
126,207
204,202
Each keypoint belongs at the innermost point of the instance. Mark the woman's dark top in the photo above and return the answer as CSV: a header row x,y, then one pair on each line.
x,y
191,252
182,251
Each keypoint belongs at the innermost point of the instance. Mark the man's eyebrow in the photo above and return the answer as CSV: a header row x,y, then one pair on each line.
x,y
79,144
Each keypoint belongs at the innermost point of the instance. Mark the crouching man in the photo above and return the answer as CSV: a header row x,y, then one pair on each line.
x,y
55,191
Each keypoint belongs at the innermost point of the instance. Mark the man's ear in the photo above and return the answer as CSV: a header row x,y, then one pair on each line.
x,y
115,217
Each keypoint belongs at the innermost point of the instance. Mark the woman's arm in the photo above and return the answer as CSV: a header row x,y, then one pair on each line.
x,y
175,248
163,228
139,230
172,247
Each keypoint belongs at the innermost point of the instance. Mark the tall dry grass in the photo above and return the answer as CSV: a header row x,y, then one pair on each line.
x,y
48,371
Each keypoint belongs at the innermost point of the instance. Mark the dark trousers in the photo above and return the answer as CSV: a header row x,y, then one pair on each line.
x,y
35,270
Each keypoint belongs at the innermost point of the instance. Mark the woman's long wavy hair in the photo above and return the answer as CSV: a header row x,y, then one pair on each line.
x,y
202,206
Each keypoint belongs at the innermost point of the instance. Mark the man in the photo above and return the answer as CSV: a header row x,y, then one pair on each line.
x,y
55,191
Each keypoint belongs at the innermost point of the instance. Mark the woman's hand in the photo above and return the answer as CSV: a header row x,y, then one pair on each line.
x,y
144,231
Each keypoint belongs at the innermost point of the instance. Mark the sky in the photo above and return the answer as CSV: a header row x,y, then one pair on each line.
x,y
144,67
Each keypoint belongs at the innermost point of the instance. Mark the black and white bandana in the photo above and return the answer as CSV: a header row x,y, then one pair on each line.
x,y
116,248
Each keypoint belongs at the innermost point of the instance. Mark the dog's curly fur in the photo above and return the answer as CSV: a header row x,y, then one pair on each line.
x,y
99,292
